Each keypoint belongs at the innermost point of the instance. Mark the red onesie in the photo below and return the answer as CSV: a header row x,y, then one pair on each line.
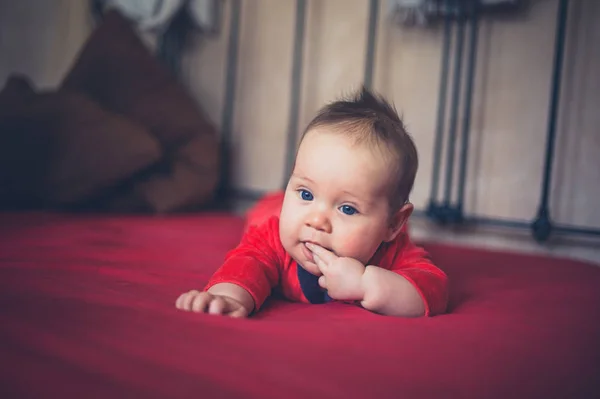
x,y
260,264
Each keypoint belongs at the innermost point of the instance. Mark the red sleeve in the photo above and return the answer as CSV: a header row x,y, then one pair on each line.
x,y
414,264
255,263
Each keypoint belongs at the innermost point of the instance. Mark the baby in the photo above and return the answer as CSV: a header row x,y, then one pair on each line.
x,y
338,232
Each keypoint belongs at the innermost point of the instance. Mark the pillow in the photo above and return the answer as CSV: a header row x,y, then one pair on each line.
x,y
59,148
170,186
117,70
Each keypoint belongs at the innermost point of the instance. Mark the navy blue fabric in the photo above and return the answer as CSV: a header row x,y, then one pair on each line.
x,y
310,287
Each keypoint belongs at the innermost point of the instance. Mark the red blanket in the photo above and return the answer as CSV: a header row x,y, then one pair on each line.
x,y
87,310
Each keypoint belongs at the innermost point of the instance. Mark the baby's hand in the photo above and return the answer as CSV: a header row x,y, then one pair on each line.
x,y
205,302
342,277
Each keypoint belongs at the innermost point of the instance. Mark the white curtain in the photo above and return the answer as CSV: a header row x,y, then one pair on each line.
x,y
154,16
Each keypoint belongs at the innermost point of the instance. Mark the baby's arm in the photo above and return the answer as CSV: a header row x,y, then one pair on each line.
x,y
390,294
412,287
244,280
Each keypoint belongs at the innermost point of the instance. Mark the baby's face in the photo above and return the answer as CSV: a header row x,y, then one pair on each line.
x,y
337,198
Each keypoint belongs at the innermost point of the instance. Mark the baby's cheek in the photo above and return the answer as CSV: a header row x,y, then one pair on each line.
x,y
286,237
360,244
352,246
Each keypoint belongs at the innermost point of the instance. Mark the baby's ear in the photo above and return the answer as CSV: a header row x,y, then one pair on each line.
x,y
398,220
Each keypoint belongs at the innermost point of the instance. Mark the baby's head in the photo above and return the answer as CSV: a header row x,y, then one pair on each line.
x,y
349,188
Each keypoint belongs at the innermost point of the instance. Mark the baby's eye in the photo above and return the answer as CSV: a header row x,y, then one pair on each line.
x,y
306,195
348,210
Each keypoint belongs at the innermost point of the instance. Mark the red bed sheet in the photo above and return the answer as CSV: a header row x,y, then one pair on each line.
x,y
87,310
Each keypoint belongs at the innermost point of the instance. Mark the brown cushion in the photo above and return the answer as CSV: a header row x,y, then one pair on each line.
x,y
174,190
60,148
117,70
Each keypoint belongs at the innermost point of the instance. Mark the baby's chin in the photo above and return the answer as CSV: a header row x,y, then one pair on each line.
x,y
309,267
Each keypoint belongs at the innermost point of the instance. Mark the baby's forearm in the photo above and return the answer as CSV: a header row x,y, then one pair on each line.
x,y
389,293
234,292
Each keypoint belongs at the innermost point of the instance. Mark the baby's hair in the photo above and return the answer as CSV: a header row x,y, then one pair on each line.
x,y
369,118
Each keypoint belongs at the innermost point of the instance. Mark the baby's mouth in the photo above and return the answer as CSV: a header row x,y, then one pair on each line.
x,y
326,248
307,252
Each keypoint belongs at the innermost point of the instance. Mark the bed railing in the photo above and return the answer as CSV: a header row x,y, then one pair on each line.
x,y
442,207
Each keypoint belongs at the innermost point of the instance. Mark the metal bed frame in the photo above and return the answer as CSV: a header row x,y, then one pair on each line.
x,y
445,210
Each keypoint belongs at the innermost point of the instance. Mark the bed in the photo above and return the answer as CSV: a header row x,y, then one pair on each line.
x,y
87,298
87,310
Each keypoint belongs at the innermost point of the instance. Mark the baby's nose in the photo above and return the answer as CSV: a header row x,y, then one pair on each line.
x,y
319,221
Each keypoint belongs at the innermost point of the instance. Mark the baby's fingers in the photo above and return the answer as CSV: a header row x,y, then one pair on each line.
x,y
185,300
323,282
217,305
201,302
205,302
